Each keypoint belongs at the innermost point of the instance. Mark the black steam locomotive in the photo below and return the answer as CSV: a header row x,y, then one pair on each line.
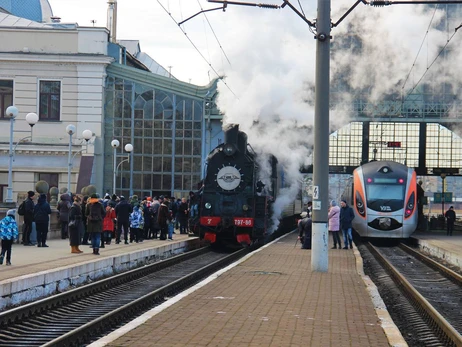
x,y
235,204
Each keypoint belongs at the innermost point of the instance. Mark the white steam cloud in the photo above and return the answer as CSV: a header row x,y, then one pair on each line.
x,y
373,50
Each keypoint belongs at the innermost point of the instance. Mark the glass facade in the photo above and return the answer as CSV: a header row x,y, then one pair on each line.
x,y
345,145
443,148
165,130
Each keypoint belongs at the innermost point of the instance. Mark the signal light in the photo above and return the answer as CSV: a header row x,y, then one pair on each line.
x,y
369,180
401,181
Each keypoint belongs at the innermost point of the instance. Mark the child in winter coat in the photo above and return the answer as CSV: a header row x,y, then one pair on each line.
x,y
108,225
136,224
8,233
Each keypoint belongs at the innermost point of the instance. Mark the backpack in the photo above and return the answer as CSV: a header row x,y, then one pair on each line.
x,y
95,212
22,208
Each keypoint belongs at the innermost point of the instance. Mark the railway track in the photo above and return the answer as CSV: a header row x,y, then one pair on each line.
x,y
424,297
81,315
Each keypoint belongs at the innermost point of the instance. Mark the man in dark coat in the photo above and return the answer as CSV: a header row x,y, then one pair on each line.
x,y
305,230
63,208
123,210
346,217
451,218
95,212
163,219
42,213
420,204
28,218
183,216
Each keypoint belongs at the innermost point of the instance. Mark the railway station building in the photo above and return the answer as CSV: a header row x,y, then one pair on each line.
x,y
84,76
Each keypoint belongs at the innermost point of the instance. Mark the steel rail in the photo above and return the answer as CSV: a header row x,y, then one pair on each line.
x,y
36,307
93,328
434,264
434,315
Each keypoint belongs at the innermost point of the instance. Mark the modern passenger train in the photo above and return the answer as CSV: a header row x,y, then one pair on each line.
x,y
383,195
235,206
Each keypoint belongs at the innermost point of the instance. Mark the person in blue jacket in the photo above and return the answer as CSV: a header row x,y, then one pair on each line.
x,y
8,233
346,217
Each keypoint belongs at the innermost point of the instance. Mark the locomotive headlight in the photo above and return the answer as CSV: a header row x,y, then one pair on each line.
x,y
245,207
208,205
229,149
409,206
360,205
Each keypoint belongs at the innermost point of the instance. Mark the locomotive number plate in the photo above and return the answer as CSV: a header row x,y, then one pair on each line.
x,y
243,222
210,221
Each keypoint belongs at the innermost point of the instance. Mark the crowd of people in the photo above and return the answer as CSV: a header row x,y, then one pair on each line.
x,y
340,223
97,221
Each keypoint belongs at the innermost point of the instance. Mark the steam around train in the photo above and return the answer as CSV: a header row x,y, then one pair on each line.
x,y
383,195
235,206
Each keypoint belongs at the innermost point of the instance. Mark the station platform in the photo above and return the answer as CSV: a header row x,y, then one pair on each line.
x,y
37,272
270,298
438,244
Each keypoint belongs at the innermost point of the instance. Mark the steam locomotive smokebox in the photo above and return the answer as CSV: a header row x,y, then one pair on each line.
x,y
231,134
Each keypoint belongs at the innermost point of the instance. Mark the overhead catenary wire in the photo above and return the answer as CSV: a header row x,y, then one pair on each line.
x,y
420,48
216,37
434,60
197,49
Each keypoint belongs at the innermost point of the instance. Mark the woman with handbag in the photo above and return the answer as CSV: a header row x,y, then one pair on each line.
x,y
75,219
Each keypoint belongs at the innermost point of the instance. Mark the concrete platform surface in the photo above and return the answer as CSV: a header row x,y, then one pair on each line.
x,y
270,298
438,244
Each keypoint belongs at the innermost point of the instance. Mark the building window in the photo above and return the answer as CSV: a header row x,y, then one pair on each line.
x,y
50,100
6,96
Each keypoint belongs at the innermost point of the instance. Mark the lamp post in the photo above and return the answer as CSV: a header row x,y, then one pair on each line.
x,y
128,148
115,144
70,129
87,135
31,119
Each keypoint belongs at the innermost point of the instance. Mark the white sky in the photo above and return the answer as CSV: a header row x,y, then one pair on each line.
x,y
159,36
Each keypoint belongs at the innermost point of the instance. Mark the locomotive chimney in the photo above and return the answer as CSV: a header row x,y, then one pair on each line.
x,y
231,134
242,142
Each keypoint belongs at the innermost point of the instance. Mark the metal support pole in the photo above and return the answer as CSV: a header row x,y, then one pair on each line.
x,y
443,176
115,172
69,164
9,190
320,237
172,172
132,137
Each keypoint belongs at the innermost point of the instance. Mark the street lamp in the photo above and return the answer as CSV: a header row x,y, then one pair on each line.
x,y
115,144
31,119
128,148
70,129
87,135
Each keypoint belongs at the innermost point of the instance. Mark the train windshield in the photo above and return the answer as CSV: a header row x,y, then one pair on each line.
x,y
385,192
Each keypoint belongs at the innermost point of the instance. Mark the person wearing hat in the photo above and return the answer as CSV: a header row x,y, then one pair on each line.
x,y
450,218
304,230
346,217
28,218
94,211
42,213
8,233
334,223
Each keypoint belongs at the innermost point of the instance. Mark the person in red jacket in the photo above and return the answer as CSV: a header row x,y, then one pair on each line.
x,y
108,225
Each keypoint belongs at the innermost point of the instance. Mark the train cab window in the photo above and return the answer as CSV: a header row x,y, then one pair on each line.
x,y
385,192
